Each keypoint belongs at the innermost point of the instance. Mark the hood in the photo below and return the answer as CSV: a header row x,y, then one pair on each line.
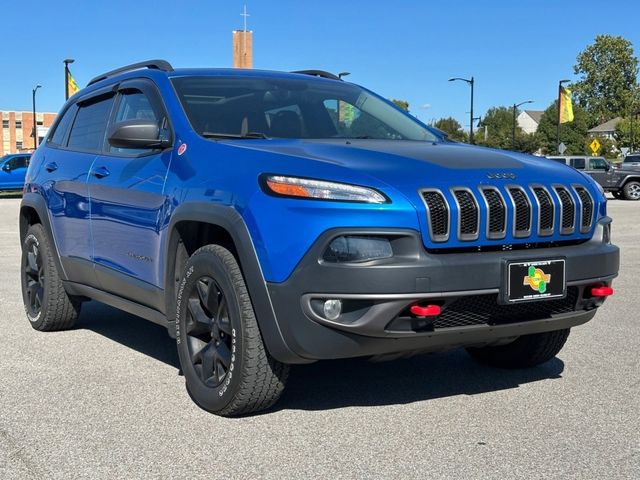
x,y
414,165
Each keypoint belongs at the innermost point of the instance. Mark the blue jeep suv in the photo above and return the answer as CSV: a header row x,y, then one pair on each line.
x,y
269,219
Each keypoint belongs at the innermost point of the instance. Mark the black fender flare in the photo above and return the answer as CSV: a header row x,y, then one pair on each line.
x,y
39,205
229,219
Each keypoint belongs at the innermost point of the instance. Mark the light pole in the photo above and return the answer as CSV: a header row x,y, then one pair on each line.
x,y
35,124
470,82
513,133
67,61
559,101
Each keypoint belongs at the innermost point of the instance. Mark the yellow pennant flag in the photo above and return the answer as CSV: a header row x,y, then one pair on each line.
x,y
72,85
566,108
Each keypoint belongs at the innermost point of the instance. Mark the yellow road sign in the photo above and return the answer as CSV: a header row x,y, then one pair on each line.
x,y
594,146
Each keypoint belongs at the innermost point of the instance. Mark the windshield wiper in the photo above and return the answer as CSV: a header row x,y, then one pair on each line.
x,y
248,135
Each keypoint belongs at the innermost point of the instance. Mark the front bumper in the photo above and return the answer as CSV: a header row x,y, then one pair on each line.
x,y
376,297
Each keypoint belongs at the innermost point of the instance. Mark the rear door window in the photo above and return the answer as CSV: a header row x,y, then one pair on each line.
x,y
88,130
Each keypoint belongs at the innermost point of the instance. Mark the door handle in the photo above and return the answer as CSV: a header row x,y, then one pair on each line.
x,y
51,167
100,172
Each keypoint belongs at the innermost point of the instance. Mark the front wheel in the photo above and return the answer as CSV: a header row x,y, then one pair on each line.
x,y
226,367
632,190
524,352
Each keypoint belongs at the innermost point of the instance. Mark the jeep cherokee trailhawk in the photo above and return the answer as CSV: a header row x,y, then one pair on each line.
x,y
269,219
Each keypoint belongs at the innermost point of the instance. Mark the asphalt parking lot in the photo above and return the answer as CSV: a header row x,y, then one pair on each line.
x,y
105,400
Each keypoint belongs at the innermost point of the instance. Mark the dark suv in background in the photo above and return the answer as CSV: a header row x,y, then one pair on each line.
x,y
622,182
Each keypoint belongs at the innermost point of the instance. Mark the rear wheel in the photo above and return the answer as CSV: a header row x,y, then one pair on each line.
x,y
632,190
225,364
526,351
47,304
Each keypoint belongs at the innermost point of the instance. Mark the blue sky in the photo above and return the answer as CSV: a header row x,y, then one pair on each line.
x,y
517,50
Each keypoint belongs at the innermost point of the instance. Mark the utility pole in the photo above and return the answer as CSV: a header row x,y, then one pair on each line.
x,y
35,123
471,83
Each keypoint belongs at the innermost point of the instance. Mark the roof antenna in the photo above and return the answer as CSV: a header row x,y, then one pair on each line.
x,y
245,15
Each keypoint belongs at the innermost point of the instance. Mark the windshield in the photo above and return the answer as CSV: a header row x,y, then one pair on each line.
x,y
632,159
250,107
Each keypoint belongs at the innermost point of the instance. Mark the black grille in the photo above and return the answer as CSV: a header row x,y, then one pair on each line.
x,y
546,210
497,213
523,212
484,309
587,208
467,214
568,210
438,213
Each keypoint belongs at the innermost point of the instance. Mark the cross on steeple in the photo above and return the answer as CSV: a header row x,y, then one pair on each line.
x,y
245,15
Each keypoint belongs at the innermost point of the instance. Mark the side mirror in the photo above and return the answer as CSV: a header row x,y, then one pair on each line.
x,y
136,134
607,166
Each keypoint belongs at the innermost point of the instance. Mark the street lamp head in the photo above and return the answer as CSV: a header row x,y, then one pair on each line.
x,y
343,74
67,61
564,81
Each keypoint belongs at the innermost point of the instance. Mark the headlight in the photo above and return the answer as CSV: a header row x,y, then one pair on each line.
x,y
321,189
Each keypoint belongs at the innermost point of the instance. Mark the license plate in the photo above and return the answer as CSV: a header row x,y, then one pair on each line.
x,y
537,280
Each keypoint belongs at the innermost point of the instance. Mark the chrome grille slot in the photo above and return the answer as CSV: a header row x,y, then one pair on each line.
x,y
546,214
567,211
468,214
586,209
496,213
437,215
522,212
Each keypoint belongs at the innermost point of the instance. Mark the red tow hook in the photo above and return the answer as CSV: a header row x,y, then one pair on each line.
x,y
427,311
601,291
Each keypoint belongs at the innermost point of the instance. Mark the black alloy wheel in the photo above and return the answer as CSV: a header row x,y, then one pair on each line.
x,y
34,277
209,332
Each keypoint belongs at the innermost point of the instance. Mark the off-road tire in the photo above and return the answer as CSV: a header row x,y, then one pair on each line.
x,y
47,304
253,380
631,190
526,351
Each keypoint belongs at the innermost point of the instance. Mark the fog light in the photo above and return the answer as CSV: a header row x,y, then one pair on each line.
x,y
357,249
332,309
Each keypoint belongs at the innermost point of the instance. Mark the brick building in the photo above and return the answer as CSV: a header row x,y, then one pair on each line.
x,y
17,130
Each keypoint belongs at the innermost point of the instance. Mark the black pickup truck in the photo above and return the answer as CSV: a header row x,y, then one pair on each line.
x,y
623,182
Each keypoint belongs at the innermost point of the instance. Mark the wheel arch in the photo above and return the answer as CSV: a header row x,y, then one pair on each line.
x,y
196,223
33,209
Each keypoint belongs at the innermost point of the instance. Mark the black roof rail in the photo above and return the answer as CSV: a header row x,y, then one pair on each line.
x,y
319,73
155,64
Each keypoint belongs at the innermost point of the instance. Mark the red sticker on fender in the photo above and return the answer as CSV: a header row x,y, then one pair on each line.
x,y
182,148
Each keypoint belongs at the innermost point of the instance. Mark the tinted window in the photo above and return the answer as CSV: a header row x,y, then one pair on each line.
x,y
598,164
632,159
556,159
62,127
90,124
578,163
18,162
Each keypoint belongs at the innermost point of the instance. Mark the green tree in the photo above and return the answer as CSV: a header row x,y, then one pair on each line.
x,y
608,71
573,134
623,133
452,128
403,104
497,132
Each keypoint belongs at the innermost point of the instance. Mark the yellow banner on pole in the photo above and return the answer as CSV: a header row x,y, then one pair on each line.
x,y
566,108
